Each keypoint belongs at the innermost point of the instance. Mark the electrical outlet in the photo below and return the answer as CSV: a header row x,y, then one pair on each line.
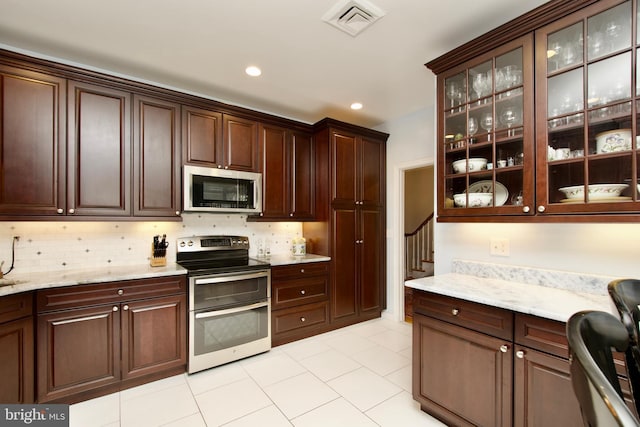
x,y
499,247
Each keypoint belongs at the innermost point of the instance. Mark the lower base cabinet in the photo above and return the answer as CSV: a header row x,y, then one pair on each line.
x,y
476,365
16,349
97,339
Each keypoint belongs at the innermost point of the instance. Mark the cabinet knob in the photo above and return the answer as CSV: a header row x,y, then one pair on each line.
x,y
526,209
178,213
541,208
520,354
126,307
302,270
302,292
219,166
504,348
455,311
226,167
302,319
115,308
72,211
120,292
291,214
60,210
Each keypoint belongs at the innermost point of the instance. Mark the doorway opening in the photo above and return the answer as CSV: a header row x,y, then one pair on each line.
x,y
418,220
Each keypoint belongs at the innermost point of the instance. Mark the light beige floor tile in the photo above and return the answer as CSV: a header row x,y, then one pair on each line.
x,y
100,411
402,410
194,420
300,394
364,388
270,370
402,377
300,350
330,364
266,417
337,413
158,407
350,343
216,377
381,360
231,401
392,340
154,386
369,328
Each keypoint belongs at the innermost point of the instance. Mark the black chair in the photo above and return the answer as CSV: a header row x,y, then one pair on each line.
x,y
592,335
625,294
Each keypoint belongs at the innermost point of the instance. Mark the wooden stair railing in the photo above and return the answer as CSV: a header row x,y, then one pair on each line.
x,y
419,247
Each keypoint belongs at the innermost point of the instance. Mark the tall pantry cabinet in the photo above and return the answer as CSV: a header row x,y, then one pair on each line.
x,y
350,204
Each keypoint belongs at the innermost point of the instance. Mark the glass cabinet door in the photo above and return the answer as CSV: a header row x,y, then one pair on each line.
x,y
587,153
486,129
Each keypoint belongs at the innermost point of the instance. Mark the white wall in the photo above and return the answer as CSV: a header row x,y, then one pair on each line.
x,y
410,145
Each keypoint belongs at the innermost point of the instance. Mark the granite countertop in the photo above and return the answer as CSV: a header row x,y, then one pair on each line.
x,y
543,301
286,259
53,279
17,282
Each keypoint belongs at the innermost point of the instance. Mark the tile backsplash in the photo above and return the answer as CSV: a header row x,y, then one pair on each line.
x,y
54,246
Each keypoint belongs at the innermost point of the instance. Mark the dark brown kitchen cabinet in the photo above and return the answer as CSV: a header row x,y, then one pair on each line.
x,y
156,158
99,151
201,137
350,168
475,364
17,362
287,170
33,142
299,301
240,144
130,332
560,128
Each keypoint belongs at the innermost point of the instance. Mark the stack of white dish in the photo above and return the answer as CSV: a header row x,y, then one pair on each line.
x,y
475,164
597,192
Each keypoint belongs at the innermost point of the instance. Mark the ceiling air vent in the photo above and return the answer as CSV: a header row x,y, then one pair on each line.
x,y
353,16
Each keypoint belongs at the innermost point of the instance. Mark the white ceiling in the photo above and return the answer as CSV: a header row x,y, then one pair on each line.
x,y
311,70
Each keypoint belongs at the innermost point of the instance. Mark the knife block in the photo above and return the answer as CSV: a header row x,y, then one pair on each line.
x,y
157,261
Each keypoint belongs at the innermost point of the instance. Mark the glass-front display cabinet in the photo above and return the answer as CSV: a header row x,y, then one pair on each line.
x,y
486,146
587,102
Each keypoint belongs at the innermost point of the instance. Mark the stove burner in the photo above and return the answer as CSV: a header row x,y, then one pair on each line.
x,y
216,254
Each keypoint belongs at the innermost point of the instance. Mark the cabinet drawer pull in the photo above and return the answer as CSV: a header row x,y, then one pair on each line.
x,y
115,308
520,354
455,311
120,292
302,319
126,307
504,348
302,292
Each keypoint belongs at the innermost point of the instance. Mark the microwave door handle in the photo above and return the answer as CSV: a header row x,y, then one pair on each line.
x,y
231,310
235,278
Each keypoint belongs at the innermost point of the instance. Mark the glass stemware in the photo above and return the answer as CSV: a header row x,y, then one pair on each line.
x,y
455,93
486,122
482,84
510,116
472,126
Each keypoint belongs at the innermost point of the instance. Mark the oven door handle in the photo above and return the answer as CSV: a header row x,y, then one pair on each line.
x,y
231,310
234,278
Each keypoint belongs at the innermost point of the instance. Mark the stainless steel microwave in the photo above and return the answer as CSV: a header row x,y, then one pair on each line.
x,y
221,190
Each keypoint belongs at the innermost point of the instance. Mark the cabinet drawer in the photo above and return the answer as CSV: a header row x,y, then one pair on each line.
x,y
296,292
301,317
482,318
15,306
107,293
550,336
299,270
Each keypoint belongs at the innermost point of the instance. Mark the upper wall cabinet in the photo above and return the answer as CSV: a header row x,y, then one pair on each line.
x,y
32,143
564,152
486,133
201,137
588,96
241,144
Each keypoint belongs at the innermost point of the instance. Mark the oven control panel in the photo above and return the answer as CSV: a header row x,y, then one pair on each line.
x,y
211,243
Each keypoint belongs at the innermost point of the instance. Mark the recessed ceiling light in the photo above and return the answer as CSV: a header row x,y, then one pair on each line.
x,y
253,71
356,106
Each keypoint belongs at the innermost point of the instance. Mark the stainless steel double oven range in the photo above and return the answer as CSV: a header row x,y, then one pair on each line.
x,y
229,300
